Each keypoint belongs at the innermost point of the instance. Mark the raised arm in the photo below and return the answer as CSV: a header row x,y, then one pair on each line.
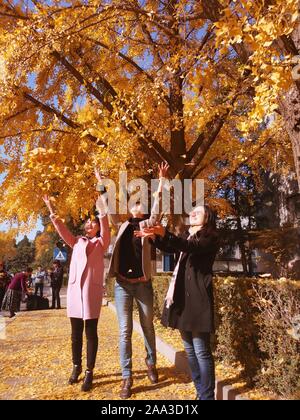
x,y
60,227
197,244
114,218
156,209
104,224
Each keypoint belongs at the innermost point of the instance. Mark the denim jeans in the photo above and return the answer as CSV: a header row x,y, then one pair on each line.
x,y
125,293
201,362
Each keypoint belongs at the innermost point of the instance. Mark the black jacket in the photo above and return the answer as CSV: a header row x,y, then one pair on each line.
x,y
131,251
192,309
57,277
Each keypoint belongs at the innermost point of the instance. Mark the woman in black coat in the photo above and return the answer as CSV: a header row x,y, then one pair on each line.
x,y
189,302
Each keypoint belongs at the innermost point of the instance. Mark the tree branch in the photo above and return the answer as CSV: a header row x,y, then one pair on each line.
x,y
90,88
36,130
202,168
22,111
125,57
209,138
228,173
14,16
60,116
145,140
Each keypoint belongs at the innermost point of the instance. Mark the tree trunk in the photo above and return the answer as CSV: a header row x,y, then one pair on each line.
x,y
290,107
178,144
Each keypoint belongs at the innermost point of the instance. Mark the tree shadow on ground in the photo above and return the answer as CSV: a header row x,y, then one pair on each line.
x,y
167,376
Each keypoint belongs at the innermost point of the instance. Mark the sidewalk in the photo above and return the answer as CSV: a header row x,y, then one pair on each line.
x,y
36,362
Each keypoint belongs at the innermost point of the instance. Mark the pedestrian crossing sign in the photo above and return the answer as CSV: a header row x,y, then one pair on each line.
x,y
60,255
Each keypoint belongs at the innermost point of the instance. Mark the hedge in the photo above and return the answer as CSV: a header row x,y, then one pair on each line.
x,y
257,326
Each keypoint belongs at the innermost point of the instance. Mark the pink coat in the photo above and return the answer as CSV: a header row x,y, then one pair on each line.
x,y
85,287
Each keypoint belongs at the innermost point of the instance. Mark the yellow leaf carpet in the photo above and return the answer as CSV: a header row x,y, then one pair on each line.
x,y
36,362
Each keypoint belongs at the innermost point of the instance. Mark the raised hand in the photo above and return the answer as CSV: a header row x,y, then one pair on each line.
x,y
164,170
47,201
98,175
101,206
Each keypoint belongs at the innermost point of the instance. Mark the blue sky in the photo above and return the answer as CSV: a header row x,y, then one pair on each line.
x,y
31,235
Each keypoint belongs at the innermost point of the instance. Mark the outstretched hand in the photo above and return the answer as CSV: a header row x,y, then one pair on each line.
x,y
47,201
143,234
157,230
101,206
98,175
164,170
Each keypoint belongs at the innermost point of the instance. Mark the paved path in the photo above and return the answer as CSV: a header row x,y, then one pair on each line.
x,y
36,362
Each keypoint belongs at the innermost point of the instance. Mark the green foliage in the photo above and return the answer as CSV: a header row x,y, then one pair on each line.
x,y
24,257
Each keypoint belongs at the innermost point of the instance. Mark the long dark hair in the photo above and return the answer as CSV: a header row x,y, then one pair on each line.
x,y
210,226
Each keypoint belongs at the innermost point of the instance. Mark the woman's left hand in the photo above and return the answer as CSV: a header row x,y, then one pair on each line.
x,y
142,234
98,175
158,230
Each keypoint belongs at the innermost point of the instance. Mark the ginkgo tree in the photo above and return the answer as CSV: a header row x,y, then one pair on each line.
x,y
7,245
124,85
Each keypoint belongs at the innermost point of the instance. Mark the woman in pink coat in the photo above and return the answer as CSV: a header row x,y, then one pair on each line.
x,y
85,287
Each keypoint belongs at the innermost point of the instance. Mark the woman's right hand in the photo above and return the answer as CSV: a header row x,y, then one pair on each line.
x,y
98,175
47,201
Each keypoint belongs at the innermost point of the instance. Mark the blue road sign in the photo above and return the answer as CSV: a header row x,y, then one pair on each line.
x,y
60,254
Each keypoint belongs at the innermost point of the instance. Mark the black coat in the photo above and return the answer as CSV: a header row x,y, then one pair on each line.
x,y
57,278
193,306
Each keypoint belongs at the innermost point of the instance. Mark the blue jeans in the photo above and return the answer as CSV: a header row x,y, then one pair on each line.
x,y
125,293
197,347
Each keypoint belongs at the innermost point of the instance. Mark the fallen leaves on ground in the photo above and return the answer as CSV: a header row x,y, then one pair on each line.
x,y
36,362
229,374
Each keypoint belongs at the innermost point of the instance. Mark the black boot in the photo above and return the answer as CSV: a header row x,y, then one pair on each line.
x,y
77,369
88,381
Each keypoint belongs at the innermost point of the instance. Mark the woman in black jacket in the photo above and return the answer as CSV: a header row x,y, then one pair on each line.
x,y
189,302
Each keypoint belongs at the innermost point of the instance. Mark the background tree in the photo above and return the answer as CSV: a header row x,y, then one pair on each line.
x,y
24,257
120,83
44,244
7,245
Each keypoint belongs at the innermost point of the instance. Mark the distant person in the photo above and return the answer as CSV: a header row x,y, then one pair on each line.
x,y
4,282
48,277
57,277
39,281
16,289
